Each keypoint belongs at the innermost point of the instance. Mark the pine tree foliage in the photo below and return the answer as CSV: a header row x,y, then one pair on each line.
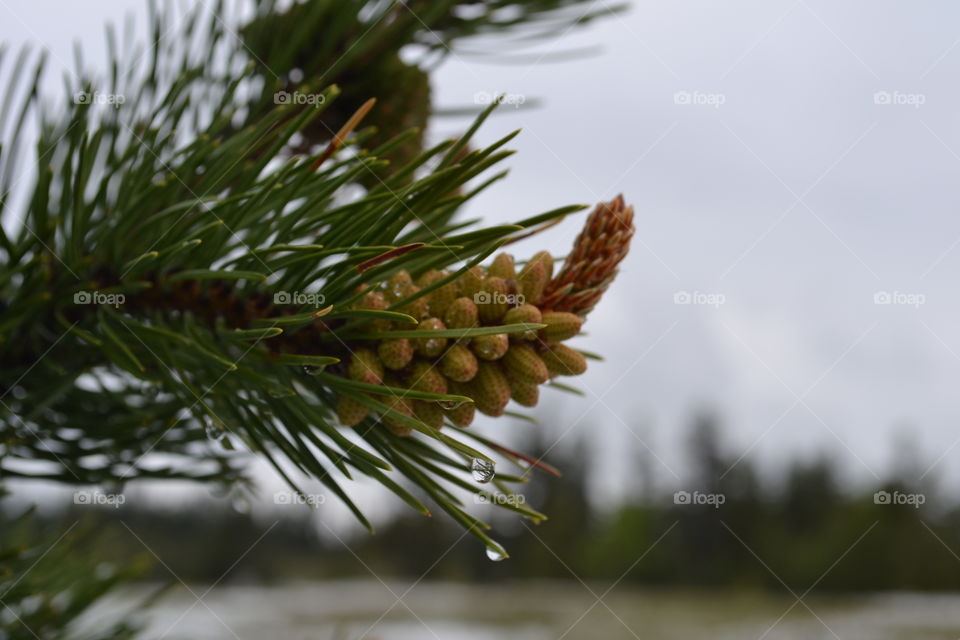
x,y
180,280
47,584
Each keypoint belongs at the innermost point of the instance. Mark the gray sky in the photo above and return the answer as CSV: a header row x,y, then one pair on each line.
x,y
766,172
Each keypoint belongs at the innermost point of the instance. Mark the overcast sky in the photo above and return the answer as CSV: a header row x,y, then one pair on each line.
x,y
788,160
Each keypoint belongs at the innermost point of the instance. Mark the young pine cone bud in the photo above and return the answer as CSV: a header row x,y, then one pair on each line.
x,y
374,300
394,424
461,314
525,313
461,415
428,413
489,389
532,280
526,394
544,258
400,277
458,363
471,281
561,325
424,377
503,267
430,347
492,300
439,299
490,347
524,364
350,412
365,366
399,287
395,353
561,360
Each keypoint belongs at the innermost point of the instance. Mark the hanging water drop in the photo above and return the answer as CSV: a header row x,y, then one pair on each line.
x,y
240,505
495,554
215,432
312,370
482,470
450,405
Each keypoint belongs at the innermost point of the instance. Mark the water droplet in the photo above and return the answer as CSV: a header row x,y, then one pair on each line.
x,y
216,433
482,470
451,404
240,505
312,370
495,554
151,391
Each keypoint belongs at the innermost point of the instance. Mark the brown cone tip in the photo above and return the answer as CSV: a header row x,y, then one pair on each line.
x,y
592,263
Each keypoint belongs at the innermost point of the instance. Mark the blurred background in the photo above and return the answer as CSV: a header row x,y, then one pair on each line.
x,y
769,449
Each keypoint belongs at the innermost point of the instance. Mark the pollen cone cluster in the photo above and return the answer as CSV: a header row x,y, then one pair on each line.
x,y
494,368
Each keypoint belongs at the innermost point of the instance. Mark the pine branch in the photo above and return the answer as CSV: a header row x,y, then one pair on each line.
x,y
198,268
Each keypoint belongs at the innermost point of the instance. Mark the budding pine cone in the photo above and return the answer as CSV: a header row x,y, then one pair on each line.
x,y
350,411
471,281
461,415
429,413
491,347
490,369
365,366
503,267
430,347
561,325
492,300
399,287
532,280
526,394
525,313
374,300
394,424
561,360
396,353
522,361
489,389
439,299
461,314
459,364
424,377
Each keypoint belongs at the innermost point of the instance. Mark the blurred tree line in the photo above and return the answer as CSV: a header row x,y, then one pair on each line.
x,y
798,527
